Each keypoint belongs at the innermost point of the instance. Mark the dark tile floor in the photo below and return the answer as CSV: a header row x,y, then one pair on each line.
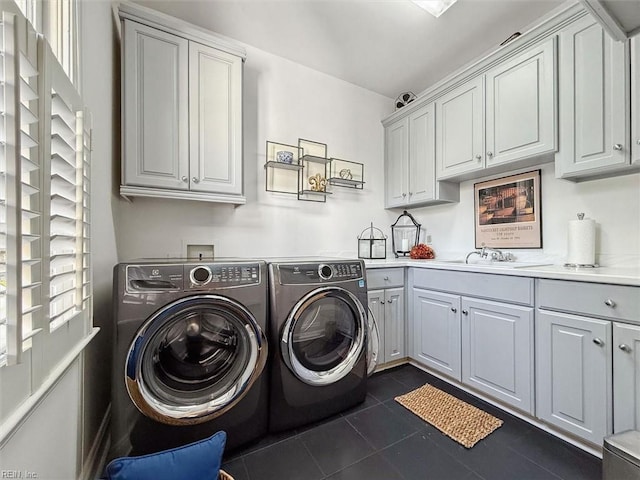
x,y
381,440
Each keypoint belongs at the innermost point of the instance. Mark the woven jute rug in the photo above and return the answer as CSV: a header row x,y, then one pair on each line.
x,y
464,423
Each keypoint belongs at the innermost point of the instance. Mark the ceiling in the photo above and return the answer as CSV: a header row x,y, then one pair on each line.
x,y
387,46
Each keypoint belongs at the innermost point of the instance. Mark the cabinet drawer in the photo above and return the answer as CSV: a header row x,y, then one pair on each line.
x,y
385,277
506,288
617,302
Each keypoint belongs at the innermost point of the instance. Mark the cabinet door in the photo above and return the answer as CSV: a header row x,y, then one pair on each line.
x,y
422,153
394,348
594,105
376,306
460,130
436,334
397,162
626,377
573,374
635,100
215,120
520,108
155,106
497,351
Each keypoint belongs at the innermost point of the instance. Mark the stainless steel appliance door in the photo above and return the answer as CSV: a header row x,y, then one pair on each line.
x,y
324,335
194,359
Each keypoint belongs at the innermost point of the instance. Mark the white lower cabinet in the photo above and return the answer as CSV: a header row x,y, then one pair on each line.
x,y
436,334
573,374
626,377
497,351
387,305
487,345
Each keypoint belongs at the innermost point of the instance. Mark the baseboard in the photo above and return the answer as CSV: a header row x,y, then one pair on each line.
x,y
94,464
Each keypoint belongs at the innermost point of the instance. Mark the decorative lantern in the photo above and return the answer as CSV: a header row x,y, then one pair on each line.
x,y
372,243
405,234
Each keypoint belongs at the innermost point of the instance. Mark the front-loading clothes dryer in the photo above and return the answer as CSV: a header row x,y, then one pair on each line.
x,y
190,354
318,335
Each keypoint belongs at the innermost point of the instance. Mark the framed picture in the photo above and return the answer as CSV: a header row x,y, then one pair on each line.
x,y
508,213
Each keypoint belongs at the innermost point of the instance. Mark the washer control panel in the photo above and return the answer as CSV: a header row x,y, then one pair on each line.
x,y
308,273
180,277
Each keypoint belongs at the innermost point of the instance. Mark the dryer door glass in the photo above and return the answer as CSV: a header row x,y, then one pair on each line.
x,y
325,335
195,359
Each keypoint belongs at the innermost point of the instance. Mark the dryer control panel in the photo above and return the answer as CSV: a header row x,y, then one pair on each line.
x,y
181,277
309,273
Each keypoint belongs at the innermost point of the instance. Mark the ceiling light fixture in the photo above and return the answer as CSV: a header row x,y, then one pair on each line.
x,y
434,7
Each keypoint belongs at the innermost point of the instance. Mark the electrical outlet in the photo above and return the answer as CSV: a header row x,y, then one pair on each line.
x,y
200,252
428,239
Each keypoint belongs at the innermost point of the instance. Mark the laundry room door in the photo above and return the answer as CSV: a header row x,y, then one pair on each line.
x,y
194,359
324,335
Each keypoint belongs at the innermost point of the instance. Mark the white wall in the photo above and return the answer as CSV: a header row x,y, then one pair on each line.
x,y
613,202
283,101
100,69
46,445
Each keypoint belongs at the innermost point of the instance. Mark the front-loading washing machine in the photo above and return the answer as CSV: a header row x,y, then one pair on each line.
x,y
318,336
190,354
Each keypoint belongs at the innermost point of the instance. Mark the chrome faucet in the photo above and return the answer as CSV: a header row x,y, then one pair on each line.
x,y
496,255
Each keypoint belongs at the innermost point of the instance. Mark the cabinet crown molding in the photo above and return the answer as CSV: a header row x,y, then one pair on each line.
x,y
167,23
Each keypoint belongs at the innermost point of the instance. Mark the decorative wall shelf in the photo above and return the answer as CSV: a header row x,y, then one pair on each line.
x,y
307,172
282,176
345,173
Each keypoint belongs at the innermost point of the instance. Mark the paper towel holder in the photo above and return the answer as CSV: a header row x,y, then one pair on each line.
x,y
581,265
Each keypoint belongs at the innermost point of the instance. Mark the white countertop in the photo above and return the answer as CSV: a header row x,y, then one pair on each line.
x,y
612,275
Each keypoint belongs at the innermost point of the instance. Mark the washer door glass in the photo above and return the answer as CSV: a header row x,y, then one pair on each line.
x,y
195,359
324,335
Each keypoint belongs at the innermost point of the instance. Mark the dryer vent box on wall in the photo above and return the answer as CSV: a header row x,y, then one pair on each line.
x,y
200,252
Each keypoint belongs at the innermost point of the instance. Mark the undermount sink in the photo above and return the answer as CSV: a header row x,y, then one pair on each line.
x,y
496,264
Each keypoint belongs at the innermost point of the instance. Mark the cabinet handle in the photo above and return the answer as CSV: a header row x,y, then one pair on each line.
x,y
185,179
382,301
610,303
404,195
386,279
638,141
624,347
465,312
598,342
478,157
454,310
410,193
195,180
617,146
489,154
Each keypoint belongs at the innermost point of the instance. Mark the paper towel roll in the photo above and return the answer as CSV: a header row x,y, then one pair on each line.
x,y
582,242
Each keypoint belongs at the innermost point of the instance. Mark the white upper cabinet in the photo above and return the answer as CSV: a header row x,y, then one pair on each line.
x,y
503,119
215,120
635,100
182,110
397,162
460,130
410,162
594,102
521,113
422,155
155,104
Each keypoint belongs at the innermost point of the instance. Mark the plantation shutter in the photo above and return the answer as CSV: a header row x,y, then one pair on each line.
x,y
68,225
21,210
